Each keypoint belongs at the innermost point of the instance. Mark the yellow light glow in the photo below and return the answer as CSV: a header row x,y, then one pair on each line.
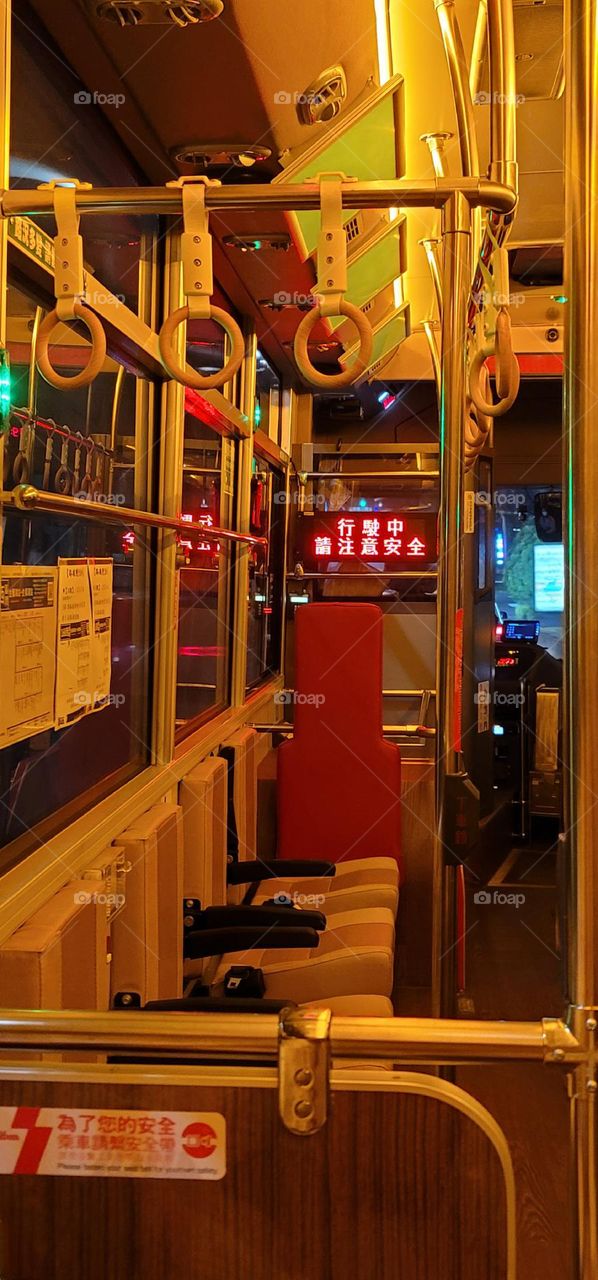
x,y
397,285
383,38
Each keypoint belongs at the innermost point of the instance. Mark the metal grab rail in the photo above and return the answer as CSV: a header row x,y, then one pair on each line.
x,y
375,573
25,497
257,1036
499,27
427,193
388,730
458,72
368,475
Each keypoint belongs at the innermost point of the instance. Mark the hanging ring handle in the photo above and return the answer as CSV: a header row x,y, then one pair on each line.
x,y
6,464
355,369
477,425
69,286
48,454
86,479
62,479
190,378
198,286
79,445
331,288
20,466
507,367
509,379
97,354
97,484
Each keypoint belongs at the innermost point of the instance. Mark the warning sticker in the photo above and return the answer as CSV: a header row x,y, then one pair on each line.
x,y
93,1143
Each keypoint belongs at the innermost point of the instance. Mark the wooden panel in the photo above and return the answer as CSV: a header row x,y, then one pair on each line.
x,y
414,925
394,1188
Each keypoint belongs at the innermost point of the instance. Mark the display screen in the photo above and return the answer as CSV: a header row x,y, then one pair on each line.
x,y
528,631
549,577
382,539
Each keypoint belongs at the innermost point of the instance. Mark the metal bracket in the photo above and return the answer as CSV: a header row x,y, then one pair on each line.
x,y
303,1067
196,245
113,876
69,276
583,1024
332,243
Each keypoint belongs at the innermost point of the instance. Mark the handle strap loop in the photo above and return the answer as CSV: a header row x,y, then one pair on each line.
x,y
196,245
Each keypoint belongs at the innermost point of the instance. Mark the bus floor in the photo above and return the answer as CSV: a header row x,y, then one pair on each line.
x,y
514,971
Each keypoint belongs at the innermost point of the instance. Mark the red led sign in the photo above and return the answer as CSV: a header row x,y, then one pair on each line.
x,y
364,538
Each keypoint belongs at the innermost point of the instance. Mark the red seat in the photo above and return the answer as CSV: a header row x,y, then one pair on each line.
x,y
339,782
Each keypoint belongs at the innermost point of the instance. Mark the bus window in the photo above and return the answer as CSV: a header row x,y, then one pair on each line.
x,y
90,441
266,573
530,567
268,403
205,577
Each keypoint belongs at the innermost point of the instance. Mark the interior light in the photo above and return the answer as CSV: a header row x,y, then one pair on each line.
x,y
5,387
257,414
383,41
384,395
559,297
498,730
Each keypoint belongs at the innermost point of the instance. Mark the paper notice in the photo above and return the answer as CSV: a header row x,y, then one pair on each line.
x,y
100,578
27,651
74,643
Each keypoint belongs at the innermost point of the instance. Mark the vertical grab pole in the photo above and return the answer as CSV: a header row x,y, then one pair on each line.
x,y
242,552
5,69
456,238
581,632
503,93
172,443
459,77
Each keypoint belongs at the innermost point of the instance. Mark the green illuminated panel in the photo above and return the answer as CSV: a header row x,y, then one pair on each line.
x,y
374,268
387,337
365,145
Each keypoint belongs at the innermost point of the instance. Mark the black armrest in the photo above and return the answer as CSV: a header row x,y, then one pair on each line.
x,y
209,1004
280,915
280,869
216,942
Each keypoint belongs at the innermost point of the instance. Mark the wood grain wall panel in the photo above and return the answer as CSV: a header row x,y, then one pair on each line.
x,y
393,1188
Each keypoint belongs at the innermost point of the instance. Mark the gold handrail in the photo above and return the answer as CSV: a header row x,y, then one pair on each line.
x,y
458,72
425,193
215,1035
25,497
503,147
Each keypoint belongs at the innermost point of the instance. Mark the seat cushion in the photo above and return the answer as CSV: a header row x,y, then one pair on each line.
x,y
355,956
351,890
355,1006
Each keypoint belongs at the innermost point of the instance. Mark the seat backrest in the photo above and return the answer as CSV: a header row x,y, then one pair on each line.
x,y
146,934
203,796
58,959
339,782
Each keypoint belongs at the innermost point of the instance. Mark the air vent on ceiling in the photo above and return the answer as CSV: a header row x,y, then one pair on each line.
x,y
178,13
219,155
323,99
